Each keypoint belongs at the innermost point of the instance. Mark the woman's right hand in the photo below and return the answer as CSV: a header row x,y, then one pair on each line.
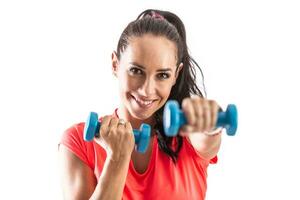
x,y
116,138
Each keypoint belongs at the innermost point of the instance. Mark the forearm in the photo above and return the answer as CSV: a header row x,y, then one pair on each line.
x,y
206,145
210,142
112,180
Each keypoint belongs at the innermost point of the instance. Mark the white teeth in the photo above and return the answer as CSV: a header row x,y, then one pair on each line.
x,y
145,103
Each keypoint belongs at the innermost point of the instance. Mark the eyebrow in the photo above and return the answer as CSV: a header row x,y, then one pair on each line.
x,y
159,70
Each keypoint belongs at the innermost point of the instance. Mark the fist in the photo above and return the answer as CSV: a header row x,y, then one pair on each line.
x,y
116,137
201,115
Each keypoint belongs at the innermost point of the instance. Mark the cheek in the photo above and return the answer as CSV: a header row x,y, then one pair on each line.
x,y
133,83
165,89
128,84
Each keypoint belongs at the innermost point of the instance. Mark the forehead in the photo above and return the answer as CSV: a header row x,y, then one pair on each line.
x,y
151,50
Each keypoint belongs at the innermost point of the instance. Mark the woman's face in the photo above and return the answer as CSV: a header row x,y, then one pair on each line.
x,y
146,72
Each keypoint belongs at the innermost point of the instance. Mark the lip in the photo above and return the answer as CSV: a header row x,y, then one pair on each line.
x,y
139,101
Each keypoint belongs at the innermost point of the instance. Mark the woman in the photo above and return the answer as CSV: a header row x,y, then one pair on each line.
x,y
152,65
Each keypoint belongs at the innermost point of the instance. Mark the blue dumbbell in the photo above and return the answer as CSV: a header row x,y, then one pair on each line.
x,y
92,127
173,118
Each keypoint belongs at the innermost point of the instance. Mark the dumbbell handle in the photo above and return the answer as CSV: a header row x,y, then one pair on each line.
x,y
222,121
174,118
136,133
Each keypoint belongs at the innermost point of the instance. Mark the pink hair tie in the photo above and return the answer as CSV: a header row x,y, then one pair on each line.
x,y
156,15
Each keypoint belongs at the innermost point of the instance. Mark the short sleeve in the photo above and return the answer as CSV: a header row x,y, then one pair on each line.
x,y
214,160
72,138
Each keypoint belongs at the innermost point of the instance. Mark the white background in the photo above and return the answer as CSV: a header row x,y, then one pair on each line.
x,y
55,69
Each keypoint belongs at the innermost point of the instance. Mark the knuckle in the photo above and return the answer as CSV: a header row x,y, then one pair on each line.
x,y
128,126
185,102
205,103
194,96
113,131
195,100
214,104
103,130
114,120
106,119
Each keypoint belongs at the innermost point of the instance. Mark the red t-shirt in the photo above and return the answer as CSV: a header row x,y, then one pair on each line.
x,y
161,180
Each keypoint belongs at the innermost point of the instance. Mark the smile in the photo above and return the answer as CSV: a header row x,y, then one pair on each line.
x,y
143,103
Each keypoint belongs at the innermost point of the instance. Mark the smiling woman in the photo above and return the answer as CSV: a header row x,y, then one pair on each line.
x,y
147,71
152,65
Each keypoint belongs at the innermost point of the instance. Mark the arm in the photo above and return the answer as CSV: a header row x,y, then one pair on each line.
x,y
206,145
79,181
201,116
112,180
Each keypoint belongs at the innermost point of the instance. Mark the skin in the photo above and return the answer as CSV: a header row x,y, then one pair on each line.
x,y
146,72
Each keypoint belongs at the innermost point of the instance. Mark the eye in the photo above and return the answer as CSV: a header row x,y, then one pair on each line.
x,y
135,71
163,76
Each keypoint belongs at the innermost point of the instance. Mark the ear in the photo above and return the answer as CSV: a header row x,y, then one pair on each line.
x,y
177,72
114,63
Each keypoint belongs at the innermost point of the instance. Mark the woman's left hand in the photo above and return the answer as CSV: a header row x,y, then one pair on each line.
x,y
201,115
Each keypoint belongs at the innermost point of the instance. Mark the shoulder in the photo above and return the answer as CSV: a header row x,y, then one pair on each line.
x,y
72,139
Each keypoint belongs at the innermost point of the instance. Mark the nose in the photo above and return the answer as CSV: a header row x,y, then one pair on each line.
x,y
148,87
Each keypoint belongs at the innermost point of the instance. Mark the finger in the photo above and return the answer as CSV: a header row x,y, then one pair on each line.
x,y
114,122
206,115
129,133
128,130
103,132
188,110
199,112
120,128
128,127
214,114
121,123
113,125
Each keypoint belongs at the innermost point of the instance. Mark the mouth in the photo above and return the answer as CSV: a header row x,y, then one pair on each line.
x,y
143,103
